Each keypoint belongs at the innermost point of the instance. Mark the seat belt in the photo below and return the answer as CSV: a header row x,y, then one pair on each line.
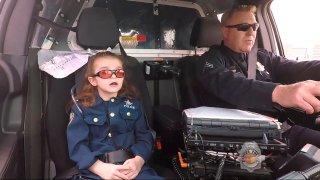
x,y
53,25
252,61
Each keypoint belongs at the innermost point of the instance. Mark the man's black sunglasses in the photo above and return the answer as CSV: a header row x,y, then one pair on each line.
x,y
244,27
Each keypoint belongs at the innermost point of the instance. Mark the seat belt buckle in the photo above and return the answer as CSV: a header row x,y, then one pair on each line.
x,y
118,157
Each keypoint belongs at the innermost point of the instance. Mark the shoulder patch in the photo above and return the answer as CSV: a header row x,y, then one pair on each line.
x,y
208,65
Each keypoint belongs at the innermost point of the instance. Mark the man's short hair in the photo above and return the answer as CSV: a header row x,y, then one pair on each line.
x,y
229,13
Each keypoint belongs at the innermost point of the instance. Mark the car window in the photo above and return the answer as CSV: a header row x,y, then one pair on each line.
x,y
146,26
298,28
49,11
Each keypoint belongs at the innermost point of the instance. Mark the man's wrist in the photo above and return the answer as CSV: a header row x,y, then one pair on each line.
x,y
277,93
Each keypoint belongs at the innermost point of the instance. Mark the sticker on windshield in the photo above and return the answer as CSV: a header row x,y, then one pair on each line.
x,y
138,38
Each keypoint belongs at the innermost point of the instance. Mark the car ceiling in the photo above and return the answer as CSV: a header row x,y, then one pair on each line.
x,y
219,6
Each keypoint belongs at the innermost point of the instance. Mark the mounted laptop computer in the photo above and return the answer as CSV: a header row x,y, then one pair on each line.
x,y
223,122
233,141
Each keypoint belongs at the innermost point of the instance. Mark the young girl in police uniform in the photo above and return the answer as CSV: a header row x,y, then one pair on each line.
x,y
107,135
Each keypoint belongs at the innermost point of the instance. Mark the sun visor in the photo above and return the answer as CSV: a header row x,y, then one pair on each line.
x,y
97,29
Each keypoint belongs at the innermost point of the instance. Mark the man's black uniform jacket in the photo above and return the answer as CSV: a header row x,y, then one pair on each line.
x,y
222,74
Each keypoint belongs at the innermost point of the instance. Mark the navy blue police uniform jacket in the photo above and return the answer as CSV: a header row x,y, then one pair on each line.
x,y
89,136
222,74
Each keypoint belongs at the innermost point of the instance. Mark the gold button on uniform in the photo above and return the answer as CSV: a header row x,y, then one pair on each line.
x,y
95,119
112,114
128,114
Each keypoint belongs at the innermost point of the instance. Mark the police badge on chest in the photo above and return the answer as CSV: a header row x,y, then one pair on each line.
x,y
262,73
129,104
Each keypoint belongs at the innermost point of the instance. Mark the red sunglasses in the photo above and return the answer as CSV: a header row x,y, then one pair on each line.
x,y
106,74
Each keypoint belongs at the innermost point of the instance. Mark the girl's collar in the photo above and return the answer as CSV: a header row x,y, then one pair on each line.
x,y
99,100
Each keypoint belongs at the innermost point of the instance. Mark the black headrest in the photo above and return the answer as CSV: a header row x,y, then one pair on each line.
x,y
97,29
206,32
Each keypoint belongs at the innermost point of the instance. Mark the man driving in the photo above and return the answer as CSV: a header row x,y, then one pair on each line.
x,y
223,77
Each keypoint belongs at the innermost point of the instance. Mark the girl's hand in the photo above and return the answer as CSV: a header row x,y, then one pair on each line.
x,y
109,171
135,164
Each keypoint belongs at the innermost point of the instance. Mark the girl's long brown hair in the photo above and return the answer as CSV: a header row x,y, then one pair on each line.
x,y
87,95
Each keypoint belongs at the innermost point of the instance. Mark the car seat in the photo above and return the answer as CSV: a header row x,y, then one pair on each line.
x,y
97,29
205,33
